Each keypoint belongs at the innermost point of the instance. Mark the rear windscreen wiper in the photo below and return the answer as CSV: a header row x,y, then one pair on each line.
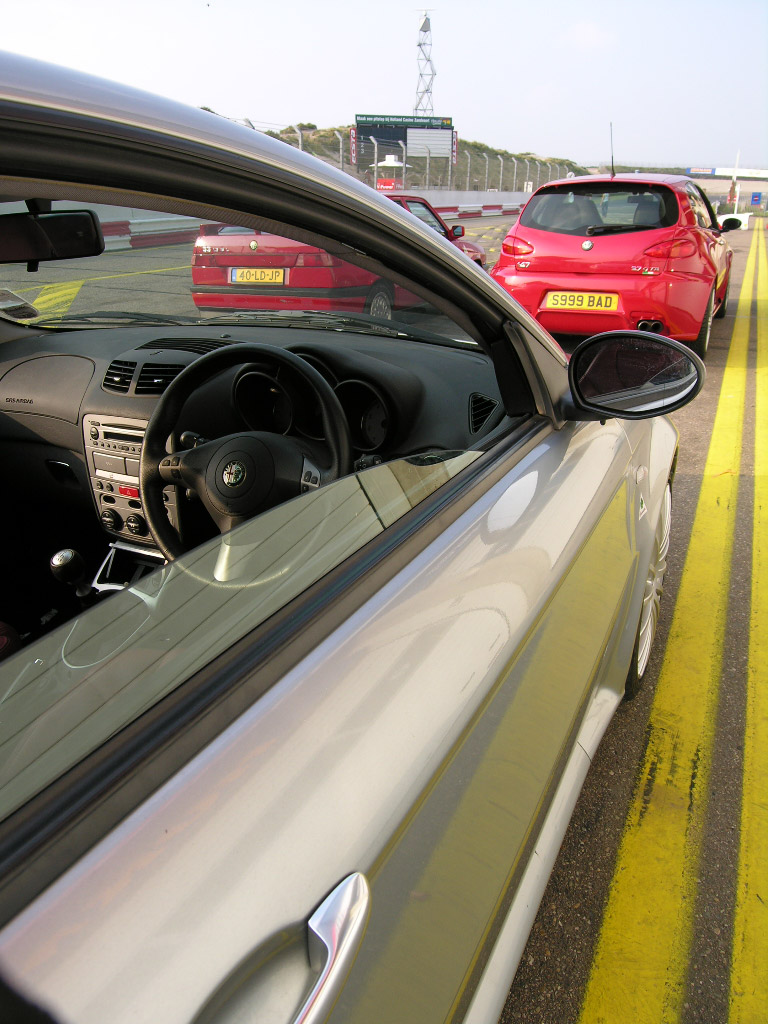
x,y
615,229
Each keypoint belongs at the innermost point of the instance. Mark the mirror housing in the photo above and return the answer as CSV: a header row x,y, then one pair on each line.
x,y
34,238
457,230
632,375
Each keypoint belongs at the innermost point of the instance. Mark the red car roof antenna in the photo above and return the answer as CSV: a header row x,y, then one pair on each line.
x,y
613,172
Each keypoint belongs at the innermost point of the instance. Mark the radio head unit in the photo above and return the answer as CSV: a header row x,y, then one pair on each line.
x,y
113,454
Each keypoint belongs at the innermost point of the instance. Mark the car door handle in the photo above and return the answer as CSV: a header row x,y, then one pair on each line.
x,y
335,931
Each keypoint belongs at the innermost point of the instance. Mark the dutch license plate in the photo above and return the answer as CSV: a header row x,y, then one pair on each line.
x,y
257,275
586,302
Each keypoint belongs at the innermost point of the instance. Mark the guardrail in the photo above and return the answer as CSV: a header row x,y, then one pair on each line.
x,y
457,205
165,230
477,210
144,232
161,229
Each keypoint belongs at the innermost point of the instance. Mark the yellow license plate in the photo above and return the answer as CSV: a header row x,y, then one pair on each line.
x,y
257,275
586,302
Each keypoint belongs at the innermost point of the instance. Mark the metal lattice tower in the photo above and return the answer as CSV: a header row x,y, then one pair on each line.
x,y
426,69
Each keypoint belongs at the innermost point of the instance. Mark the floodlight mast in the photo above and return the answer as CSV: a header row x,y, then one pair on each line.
x,y
426,69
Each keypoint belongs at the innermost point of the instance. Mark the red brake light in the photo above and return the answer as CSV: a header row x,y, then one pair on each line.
x,y
316,259
673,249
516,247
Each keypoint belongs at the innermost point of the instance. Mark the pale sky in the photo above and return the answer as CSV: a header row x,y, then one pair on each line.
x,y
684,84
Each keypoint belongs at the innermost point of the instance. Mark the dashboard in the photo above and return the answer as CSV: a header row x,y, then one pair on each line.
x,y
73,411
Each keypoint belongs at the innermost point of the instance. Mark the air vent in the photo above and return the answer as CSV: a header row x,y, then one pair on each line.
x,y
119,376
154,378
197,345
480,409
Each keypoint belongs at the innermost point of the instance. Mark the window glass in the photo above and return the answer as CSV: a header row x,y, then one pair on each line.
x,y
89,678
186,270
700,207
424,214
601,208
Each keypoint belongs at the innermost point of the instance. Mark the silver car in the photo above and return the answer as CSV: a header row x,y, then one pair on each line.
x,y
315,608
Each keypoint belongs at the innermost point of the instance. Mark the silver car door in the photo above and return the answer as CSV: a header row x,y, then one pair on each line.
x,y
418,745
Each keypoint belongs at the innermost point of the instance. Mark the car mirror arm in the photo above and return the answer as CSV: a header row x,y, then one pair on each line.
x,y
572,412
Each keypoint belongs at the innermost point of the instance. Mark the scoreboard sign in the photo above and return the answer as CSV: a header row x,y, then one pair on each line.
x,y
368,121
420,135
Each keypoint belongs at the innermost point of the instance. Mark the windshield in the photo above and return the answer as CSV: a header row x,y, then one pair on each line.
x,y
158,267
601,208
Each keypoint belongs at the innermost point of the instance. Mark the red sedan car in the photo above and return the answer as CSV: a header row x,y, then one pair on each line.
x,y
235,268
623,252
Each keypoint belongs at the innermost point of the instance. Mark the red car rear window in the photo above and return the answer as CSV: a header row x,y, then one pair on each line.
x,y
601,208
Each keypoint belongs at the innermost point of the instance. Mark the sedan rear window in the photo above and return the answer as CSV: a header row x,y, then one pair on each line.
x,y
601,208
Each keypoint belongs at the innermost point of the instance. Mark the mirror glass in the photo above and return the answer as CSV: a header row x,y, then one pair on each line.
x,y
38,237
633,373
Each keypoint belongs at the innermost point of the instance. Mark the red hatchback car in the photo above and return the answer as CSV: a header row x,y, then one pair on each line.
x,y
236,268
623,252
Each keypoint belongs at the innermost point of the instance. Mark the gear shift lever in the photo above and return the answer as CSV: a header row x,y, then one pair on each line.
x,y
68,566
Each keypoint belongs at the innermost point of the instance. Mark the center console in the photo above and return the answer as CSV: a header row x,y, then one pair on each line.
x,y
113,453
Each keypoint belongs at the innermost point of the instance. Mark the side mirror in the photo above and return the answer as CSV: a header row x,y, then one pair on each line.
x,y
633,375
37,237
457,230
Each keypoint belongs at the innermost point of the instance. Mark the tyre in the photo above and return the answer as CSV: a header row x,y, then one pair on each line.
x,y
722,308
379,302
701,344
654,585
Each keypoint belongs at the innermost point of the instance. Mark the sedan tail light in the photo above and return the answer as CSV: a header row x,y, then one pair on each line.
x,y
316,259
673,249
516,247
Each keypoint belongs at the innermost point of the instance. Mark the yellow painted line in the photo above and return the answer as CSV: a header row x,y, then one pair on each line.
x,y
749,971
639,969
110,277
57,298
138,273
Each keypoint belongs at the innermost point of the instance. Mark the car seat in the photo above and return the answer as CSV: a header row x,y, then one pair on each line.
x,y
648,211
571,214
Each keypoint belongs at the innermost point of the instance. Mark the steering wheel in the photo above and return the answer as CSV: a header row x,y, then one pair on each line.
x,y
239,475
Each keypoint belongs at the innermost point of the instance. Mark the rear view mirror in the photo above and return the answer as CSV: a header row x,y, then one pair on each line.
x,y
633,374
458,230
61,235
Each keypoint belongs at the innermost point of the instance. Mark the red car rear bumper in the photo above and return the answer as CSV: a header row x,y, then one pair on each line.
x,y
677,301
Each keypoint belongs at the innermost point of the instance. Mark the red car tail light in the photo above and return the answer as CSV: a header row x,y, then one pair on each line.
x,y
673,249
516,247
316,259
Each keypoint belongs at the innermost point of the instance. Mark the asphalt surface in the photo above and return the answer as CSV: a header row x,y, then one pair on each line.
x,y
561,953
